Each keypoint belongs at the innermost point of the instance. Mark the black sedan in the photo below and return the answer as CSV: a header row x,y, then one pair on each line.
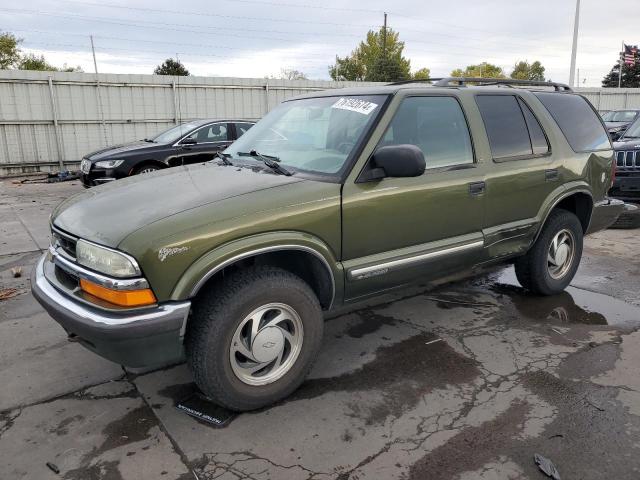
x,y
617,121
191,142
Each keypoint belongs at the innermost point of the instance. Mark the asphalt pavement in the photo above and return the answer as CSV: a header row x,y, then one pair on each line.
x,y
467,380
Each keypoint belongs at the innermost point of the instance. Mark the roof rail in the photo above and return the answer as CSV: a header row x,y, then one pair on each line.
x,y
462,81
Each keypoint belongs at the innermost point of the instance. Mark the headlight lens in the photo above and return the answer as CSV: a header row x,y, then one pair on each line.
x,y
105,260
109,163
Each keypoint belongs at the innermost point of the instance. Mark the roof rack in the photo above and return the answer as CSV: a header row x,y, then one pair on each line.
x,y
462,81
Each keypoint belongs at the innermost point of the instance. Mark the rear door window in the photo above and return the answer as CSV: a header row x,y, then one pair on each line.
x,y
577,120
505,125
242,128
539,142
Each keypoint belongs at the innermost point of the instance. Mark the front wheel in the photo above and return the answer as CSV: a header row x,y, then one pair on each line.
x,y
148,168
252,339
550,265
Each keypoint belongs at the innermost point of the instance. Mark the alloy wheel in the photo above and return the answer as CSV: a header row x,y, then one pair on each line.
x,y
561,254
266,344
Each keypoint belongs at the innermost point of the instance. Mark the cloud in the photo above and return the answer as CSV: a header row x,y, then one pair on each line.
x,y
256,38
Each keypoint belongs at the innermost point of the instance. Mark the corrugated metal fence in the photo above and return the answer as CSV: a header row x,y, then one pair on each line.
x,y
53,118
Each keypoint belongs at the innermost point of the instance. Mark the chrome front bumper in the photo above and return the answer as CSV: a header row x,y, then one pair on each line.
x,y
135,338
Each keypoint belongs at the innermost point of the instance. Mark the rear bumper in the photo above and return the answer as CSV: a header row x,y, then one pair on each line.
x,y
139,338
605,213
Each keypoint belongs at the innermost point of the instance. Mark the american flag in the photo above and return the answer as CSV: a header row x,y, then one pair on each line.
x,y
630,54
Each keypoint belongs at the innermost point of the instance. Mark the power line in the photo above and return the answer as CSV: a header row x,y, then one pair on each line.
x,y
190,29
139,40
99,48
214,15
298,20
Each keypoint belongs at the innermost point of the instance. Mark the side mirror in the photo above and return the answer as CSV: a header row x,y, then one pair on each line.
x,y
395,161
189,141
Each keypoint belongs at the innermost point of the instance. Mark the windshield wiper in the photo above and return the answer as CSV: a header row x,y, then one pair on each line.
x,y
629,136
224,157
269,160
148,140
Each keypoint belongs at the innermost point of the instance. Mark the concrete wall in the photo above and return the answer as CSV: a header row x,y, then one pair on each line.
x,y
53,118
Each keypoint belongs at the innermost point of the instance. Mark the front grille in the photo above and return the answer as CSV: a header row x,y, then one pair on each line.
x,y
628,161
66,242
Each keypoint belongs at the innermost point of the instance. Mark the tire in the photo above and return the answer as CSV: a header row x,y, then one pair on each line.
x,y
148,168
214,339
629,218
534,270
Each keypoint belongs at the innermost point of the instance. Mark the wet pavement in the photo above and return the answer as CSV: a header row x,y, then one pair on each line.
x,y
464,381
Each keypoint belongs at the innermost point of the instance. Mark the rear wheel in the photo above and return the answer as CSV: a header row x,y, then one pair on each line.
x,y
550,265
253,338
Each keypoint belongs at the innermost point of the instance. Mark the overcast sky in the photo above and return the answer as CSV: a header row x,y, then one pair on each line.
x,y
254,38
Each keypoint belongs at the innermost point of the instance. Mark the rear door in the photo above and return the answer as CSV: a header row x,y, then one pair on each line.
x,y
521,175
399,229
240,128
209,139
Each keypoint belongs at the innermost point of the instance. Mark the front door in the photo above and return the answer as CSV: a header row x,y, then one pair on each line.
x,y
399,229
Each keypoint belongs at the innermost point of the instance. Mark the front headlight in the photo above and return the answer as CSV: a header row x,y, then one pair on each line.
x,y
105,260
109,163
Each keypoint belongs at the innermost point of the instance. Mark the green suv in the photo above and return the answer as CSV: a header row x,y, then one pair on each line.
x,y
331,198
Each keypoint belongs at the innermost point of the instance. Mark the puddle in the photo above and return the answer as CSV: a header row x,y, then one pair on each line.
x,y
574,305
401,373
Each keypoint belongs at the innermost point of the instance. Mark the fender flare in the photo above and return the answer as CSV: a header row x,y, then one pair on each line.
x,y
212,262
570,189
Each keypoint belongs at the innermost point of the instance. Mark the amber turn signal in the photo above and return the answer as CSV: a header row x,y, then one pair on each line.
x,y
122,298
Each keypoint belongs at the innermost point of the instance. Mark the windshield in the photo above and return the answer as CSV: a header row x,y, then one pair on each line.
x,y
175,133
314,134
633,131
621,116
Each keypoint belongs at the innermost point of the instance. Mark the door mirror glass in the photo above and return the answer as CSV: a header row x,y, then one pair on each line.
x,y
397,161
189,141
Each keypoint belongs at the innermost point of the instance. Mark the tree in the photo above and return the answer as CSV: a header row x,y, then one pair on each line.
x,y
630,76
422,74
67,68
171,67
523,70
482,70
33,62
9,51
377,59
291,74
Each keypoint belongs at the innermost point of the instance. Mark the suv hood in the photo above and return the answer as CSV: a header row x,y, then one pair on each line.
x,y
107,214
627,144
110,152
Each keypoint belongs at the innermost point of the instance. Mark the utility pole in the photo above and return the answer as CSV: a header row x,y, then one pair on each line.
x,y
99,95
384,46
574,48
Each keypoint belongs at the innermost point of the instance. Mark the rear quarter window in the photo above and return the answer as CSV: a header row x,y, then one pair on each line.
x,y
577,120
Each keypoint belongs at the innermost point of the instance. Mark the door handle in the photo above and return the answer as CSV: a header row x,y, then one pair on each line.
x,y
477,188
551,175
